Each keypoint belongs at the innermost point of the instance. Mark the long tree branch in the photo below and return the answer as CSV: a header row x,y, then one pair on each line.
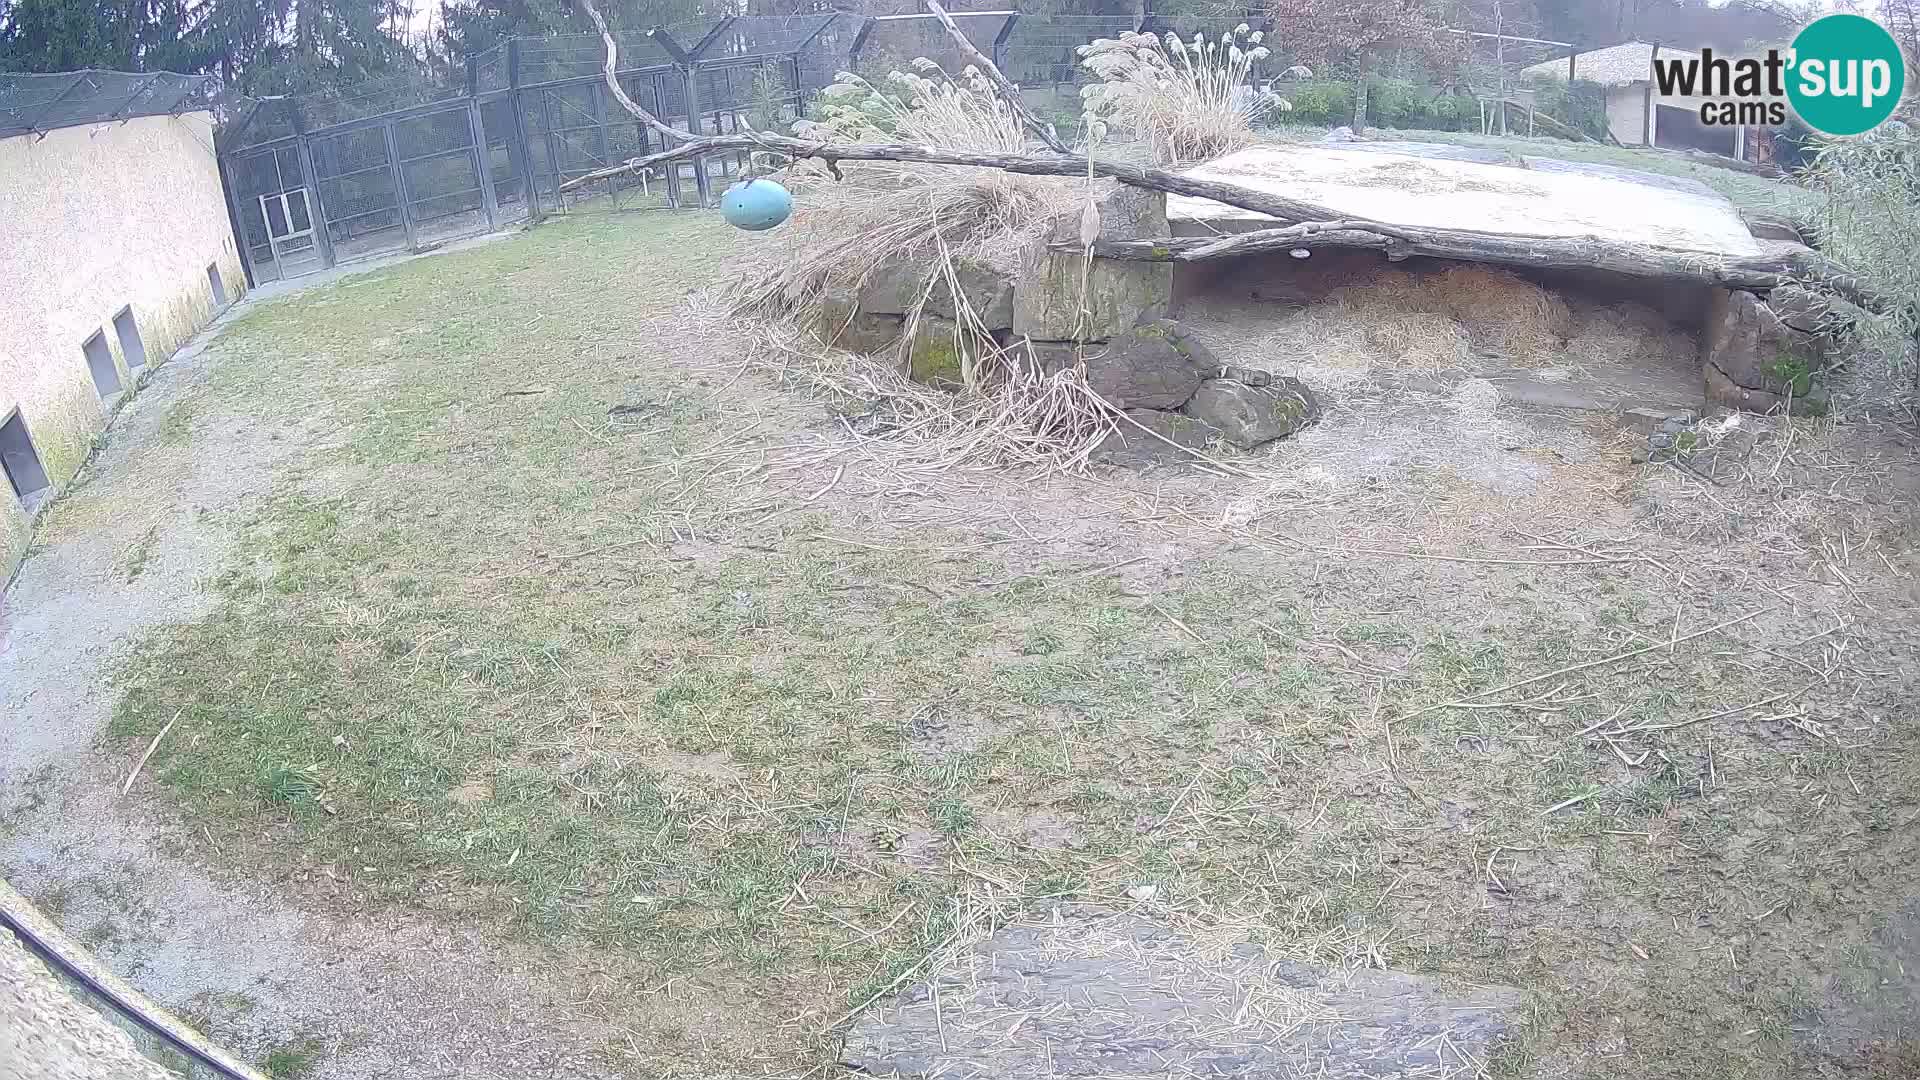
x,y
1301,224
613,82
1306,225
1008,92
1277,206
1759,272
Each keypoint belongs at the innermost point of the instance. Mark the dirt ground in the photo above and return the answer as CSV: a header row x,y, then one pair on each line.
x,y
547,690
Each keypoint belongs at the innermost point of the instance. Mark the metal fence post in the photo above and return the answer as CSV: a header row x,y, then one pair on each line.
x,y
317,204
400,187
691,74
230,182
517,146
483,163
1000,40
553,149
600,130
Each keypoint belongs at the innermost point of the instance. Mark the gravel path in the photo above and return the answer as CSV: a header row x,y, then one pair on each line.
x,y
124,553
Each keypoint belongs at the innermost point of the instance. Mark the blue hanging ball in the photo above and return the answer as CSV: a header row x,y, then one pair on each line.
x,y
756,205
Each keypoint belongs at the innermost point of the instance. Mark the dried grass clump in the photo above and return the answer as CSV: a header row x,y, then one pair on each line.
x,y
934,216
1498,312
1023,420
1188,101
1625,335
842,230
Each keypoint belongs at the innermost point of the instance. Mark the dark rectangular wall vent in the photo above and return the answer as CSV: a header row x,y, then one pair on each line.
x,y
131,346
19,459
106,375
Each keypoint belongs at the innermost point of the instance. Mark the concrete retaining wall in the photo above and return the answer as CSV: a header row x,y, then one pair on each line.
x,y
94,219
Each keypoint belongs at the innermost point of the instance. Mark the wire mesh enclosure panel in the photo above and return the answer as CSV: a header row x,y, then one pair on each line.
x,y
441,177
359,192
373,98
404,162
40,103
273,204
1045,52
892,42
502,157
569,57
576,128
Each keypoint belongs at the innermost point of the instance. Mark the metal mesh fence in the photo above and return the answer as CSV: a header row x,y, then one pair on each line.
x,y
582,56
1042,52
409,161
38,103
893,42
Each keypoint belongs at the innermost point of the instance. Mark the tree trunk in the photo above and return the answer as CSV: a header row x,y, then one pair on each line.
x,y
1757,272
1360,91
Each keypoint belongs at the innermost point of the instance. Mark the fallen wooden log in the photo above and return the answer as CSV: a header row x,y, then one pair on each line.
x,y
1757,272
1299,224
1306,225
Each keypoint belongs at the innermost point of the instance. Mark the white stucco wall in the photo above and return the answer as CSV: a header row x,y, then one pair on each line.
x,y
1627,113
93,219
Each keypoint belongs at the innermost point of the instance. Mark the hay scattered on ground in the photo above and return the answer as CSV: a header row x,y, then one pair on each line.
x,y
1374,318
1628,335
1493,310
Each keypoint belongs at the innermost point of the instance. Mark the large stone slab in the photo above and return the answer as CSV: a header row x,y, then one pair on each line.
x,y
1088,994
844,325
1684,184
987,291
1443,193
1153,437
1250,415
1157,365
1119,293
1751,359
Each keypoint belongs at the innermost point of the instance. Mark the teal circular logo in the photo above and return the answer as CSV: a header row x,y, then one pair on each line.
x,y
1845,75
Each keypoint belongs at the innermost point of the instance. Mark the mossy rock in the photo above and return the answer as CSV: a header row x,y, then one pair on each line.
x,y
935,357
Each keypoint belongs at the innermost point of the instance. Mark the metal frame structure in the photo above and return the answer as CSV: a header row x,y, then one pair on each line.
x,y
531,115
36,104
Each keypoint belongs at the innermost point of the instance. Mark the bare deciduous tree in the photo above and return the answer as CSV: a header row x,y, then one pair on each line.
x,y
1334,32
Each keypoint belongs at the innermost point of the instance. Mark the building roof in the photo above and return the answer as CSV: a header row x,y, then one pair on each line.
x,y
1615,65
40,103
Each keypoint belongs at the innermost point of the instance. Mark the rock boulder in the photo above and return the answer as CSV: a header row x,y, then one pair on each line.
x,y
1751,359
1250,415
989,292
1153,366
1120,293
1166,439
844,325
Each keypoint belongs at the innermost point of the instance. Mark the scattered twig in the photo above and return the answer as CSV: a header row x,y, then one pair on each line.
x,y
1614,659
1178,799
1183,627
151,747
815,497
1575,801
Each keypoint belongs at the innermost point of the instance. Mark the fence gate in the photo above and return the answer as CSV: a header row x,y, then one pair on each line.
x,y
275,211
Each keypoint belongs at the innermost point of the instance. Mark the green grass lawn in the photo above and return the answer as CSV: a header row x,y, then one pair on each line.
x,y
660,679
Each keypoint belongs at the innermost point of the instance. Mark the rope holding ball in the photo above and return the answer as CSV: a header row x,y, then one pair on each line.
x,y
756,204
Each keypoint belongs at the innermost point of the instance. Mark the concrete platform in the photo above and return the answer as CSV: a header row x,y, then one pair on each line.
x,y
1413,189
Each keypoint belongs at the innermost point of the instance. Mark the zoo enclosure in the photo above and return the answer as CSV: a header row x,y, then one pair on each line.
x,y
409,163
